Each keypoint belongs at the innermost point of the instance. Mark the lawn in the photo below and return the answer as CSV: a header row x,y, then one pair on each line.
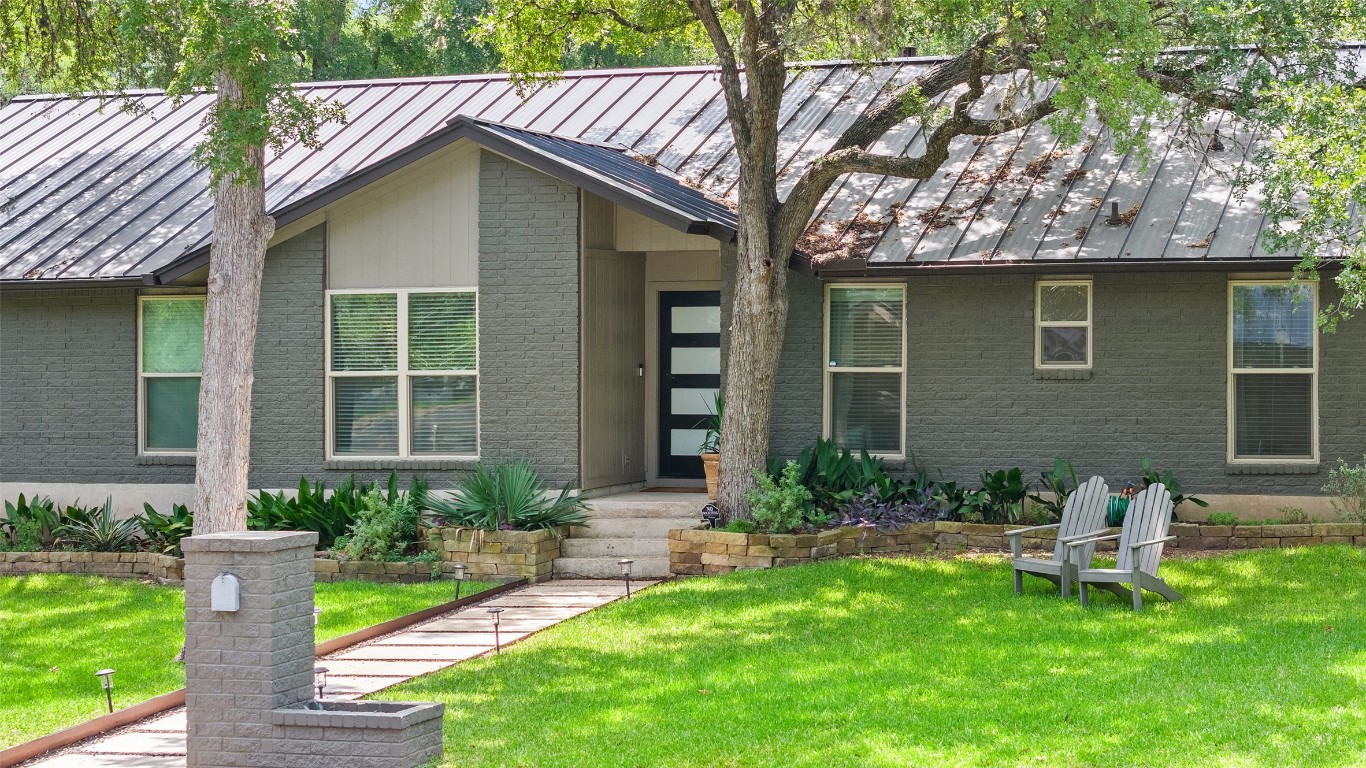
x,y
57,629
924,661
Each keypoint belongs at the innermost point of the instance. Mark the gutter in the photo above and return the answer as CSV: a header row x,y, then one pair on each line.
x,y
1055,267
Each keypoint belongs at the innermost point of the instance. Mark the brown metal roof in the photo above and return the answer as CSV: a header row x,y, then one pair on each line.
x,y
92,192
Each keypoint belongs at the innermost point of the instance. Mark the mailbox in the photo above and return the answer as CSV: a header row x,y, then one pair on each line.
x,y
225,594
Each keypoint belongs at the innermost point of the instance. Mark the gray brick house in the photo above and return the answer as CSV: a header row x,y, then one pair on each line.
x,y
459,274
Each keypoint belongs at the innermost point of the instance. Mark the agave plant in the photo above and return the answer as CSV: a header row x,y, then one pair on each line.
x,y
509,496
95,529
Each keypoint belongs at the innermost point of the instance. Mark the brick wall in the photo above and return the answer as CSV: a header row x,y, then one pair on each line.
x,y
528,318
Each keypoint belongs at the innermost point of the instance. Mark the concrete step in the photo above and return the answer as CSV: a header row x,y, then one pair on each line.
x,y
614,548
632,527
607,568
649,505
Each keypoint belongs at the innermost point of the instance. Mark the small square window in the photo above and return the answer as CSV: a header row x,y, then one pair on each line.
x,y
1062,324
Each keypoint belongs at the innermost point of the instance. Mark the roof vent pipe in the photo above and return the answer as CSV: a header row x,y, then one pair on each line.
x,y
908,52
1114,220
1217,145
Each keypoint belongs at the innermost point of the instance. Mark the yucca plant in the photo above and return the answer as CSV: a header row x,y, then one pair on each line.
x,y
95,529
510,496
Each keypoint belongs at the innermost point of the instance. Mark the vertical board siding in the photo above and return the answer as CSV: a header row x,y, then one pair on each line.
x,y
613,312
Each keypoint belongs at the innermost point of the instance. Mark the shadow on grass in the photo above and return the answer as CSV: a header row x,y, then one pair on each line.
x,y
917,661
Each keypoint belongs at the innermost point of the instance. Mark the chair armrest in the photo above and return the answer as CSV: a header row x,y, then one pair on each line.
x,y
1150,542
1077,541
1088,535
1023,531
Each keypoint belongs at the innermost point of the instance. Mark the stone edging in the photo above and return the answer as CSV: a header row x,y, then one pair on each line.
x,y
701,551
124,565
526,555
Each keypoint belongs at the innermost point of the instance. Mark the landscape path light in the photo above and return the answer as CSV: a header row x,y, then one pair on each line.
x,y
459,578
316,613
320,680
497,643
626,573
107,682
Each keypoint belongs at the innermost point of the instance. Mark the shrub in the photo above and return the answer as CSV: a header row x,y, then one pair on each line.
x,y
1061,482
510,496
382,530
330,515
739,525
1347,484
782,506
95,529
1004,494
164,532
1168,478
28,524
1222,518
869,511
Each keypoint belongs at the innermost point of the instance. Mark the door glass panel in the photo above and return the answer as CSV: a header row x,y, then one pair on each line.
x,y
693,360
696,319
685,442
690,400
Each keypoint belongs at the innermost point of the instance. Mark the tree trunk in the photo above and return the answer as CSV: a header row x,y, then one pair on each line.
x,y
758,324
236,258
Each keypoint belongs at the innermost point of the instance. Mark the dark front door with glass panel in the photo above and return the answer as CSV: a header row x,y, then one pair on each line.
x,y
689,376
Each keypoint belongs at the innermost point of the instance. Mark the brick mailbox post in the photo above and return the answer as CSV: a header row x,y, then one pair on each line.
x,y
249,668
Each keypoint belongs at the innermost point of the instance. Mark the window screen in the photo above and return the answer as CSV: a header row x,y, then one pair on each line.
x,y
865,367
1273,373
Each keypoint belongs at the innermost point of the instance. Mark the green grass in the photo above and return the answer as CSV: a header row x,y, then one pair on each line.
x,y
57,629
934,662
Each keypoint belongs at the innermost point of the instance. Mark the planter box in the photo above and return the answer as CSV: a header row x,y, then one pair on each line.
x,y
356,734
696,551
496,555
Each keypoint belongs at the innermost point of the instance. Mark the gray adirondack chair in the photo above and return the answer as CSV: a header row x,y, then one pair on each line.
x,y
1140,550
1083,515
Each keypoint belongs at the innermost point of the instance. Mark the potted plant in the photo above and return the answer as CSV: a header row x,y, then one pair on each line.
x,y
710,450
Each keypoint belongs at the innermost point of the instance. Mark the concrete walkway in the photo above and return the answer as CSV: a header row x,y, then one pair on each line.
x,y
159,741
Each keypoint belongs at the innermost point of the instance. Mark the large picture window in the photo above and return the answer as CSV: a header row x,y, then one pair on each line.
x,y
403,373
1273,368
170,358
865,367
1062,320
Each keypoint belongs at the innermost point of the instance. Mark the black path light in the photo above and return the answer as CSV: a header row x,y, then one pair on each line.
x,y
459,578
497,642
320,680
626,573
107,682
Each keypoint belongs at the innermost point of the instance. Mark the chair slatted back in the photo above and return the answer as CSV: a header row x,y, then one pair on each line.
x,y
1148,518
1084,512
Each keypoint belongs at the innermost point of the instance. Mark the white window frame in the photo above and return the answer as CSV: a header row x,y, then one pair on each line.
x,y
1312,372
143,450
828,371
402,374
1040,324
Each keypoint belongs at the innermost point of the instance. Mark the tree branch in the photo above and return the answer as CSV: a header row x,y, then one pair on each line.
x,y
705,13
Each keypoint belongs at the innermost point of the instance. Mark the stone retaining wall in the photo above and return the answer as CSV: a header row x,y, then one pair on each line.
x,y
496,555
126,565
702,551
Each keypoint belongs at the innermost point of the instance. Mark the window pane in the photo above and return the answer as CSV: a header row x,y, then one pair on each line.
x,y
865,327
865,411
1062,346
445,414
172,413
364,332
1273,415
1271,329
173,335
441,332
365,416
1063,303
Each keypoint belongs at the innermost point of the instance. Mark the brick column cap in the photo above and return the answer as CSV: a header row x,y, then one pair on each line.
x,y
249,541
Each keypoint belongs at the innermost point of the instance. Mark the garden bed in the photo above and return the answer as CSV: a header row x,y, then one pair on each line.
x,y
696,551
492,555
171,570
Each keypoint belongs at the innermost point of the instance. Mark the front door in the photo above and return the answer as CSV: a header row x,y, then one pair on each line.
x,y
689,376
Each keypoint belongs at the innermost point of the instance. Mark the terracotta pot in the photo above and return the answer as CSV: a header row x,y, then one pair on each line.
x,y
711,465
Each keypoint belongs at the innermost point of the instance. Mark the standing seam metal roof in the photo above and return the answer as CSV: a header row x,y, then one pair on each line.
x,y
90,192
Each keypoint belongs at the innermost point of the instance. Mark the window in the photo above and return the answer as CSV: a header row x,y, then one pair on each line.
x,y
1273,367
170,357
865,367
402,373
1062,320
